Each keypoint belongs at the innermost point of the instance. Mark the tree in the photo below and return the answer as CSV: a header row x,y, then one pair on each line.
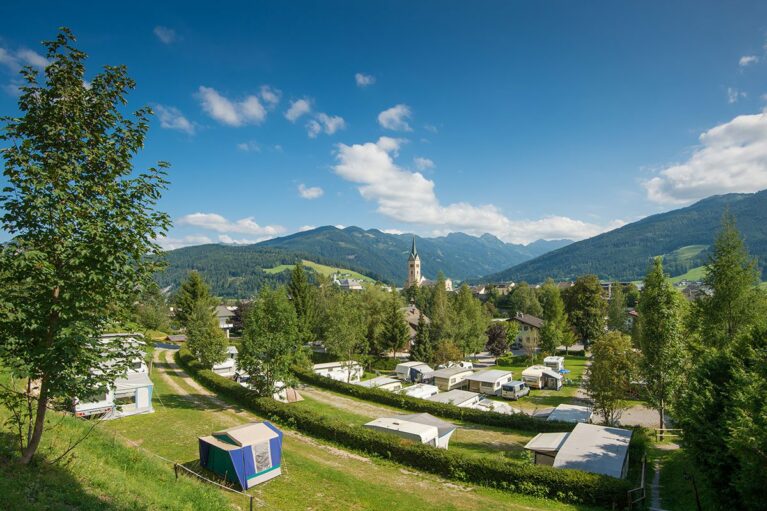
x,y
423,347
555,327
346,328
374,306
446,351
617,315
631,295
151,310
732,275
439,312
272,341
530,346
586,308
303,301
194,291
205,339
497,339
82,227
524,300
395,334
468,323
609,375
660,337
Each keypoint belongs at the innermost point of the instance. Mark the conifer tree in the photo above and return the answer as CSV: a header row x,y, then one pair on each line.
x,y
194,291
395,334
423,348
205,339
304,302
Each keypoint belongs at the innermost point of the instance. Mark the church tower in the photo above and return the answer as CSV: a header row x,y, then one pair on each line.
x,y
413,267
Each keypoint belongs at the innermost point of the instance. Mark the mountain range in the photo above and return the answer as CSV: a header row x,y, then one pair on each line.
x,y
682,236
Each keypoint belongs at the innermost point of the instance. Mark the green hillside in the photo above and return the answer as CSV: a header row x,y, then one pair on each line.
x,y
322,269
682,235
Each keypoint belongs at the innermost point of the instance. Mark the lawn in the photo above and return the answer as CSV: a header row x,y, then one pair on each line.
x,y
675,469
694,274
323,270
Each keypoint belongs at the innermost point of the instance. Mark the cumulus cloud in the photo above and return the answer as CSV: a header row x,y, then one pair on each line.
x,y
270,95
410,197
232,113
14,60
169,243
731,157
305,228
310,192
733,95
171,118
249,147
324,123
395,118
364,80
223,238
392,231
218,223
423,163
298,108
165,35
747,60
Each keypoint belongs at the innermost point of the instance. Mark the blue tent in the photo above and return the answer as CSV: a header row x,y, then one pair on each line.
x,y
246,455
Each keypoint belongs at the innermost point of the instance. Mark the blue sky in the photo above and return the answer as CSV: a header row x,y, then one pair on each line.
x,y
523,119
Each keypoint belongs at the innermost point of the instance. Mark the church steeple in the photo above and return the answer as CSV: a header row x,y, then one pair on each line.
x,y
413,267
413,251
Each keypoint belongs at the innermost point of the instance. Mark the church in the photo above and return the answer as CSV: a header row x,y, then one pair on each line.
x,y
414,277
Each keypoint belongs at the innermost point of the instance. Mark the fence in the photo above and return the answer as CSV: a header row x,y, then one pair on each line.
x,y
637,495
667,432
177,466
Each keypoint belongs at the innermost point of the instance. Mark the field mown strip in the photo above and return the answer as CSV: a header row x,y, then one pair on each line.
x,y
563,485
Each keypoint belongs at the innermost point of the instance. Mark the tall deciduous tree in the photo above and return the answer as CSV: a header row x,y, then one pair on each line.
x,y
617,315
151,310
497,339
303,299
555,327
524,300
469,322
346,328
609,375
660,332
205,339
439,311
194,291
586,308
82,226
271,342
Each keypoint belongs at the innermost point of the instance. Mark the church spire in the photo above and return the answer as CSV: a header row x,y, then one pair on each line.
x,y
413,251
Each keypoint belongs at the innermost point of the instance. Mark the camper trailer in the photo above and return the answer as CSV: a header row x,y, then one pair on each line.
x,y
346,371
542,377
420,427
488,382
555,363
227,368
381,382
414,372
419,390
451,378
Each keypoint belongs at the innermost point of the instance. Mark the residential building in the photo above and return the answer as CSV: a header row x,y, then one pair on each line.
x,y
529,328
224,316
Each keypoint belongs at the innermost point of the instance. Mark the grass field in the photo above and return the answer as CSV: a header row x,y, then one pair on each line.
x,y
696,273
321,269
677,471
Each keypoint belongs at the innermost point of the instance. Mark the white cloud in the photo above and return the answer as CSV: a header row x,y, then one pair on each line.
x,y
173,243
270,95
305,228
297,109
747,60
165,35
392,231
423,163
431,128
218,223
731,157
311,192
249,147
364,80
232,113
14,60
410,197
223,238
733,95
324,123
395,118
171,118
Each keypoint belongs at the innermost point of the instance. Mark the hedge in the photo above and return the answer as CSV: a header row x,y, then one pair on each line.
x,y
519,421
540,481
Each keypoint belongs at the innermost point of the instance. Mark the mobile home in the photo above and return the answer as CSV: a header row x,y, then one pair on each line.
x,y
420,390
555,363
451,378
542,377
381,382
412,371
488,382
420,427
460,398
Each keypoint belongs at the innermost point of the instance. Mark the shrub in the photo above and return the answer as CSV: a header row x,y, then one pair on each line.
x,y
517,421
567,485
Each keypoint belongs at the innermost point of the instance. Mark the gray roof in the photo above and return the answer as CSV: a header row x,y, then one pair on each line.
x,y
595,449
443,427
378,381
455,397
222,312
527,319
547,442
489,376
449,371
177,338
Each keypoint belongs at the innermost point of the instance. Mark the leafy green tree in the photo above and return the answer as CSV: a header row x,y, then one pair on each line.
x,y
423,346
469,322
395,334
271,342
617,315
194,291
497,339
446,351
151,310
205,339
304,303
346,328
631,295
732,275
439,311
82,225
524,299
610,374
555,325
512,331
374,305
586,308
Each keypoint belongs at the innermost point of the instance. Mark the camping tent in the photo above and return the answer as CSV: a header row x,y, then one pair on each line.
x,y
247,455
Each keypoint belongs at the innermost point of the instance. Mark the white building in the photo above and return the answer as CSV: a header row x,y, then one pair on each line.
x,y
224,317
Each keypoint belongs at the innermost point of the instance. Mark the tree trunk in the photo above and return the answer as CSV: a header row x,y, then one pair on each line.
x,y
33,442
662,412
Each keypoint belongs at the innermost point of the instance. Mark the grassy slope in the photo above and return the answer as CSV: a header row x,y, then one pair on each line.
x,y
694,274
321,269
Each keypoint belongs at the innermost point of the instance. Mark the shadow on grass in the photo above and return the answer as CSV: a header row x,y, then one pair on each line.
x,y
43,486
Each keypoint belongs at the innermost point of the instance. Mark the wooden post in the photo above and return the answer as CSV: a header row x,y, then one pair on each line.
x,y
175,469
251,502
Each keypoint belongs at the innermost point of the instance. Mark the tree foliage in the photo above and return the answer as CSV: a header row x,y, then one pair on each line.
x,y
205,339
586,308
395,334
555,328
302,297
617,315
468,322
612,368
497,339
346,328
82,225
523,299
194,291
423,344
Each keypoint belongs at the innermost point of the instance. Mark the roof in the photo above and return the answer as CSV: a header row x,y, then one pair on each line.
x,y
411,364
553,358
539,370
406,426
249,434
489,376
528,320
456,397
133,380
570,413
232,350
378,381
413,251
229,362
595,449
222,312
412,313
177,338
547,442
443,427
330,365
450,371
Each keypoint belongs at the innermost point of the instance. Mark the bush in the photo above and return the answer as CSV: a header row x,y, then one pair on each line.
x,y
518,421
512,360
566,485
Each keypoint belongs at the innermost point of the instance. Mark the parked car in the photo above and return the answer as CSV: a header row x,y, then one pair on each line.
x,y
514,390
